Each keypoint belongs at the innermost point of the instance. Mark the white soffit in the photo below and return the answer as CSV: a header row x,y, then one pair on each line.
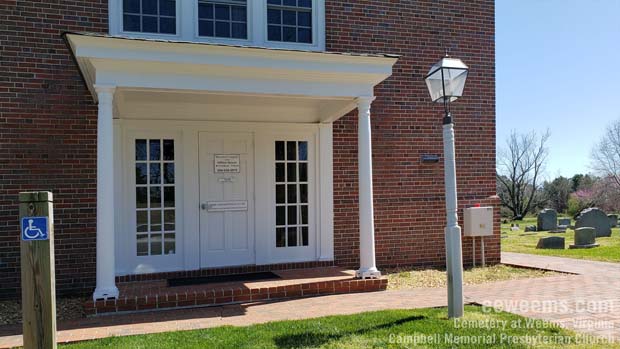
x,y
184,66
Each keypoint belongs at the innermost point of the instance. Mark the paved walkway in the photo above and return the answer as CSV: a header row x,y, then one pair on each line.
x,y
588,301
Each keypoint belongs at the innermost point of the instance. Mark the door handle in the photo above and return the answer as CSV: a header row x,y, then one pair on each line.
x,y
204,206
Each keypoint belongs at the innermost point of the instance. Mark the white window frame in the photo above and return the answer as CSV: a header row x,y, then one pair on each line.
x,y
187,30
229,41
115,8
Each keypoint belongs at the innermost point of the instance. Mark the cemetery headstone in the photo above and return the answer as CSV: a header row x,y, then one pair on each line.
x,y
584,238
547,220
530,228
613,220
551,242
564,222
594,218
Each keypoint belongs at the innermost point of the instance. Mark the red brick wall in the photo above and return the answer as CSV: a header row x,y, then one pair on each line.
x,y
47,134
409,195
48,129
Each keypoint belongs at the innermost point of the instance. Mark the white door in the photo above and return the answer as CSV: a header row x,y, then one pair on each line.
x,y
226,199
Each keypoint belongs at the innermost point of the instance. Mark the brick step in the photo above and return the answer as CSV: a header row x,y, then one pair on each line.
x,y
142,296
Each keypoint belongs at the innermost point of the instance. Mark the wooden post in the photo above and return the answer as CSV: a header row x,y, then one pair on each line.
x,y
38,275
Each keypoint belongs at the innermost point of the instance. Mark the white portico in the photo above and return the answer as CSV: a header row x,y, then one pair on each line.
x,y
212,156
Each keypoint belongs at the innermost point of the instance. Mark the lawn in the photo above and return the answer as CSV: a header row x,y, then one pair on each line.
x,y
515,241
405,279
381,329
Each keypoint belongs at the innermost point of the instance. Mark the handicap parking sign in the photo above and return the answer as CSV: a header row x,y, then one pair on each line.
x,y
34,228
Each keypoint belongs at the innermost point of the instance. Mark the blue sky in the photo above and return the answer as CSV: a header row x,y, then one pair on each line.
x,y
558,67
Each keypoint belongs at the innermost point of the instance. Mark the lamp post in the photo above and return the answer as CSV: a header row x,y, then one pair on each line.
x,y
445,82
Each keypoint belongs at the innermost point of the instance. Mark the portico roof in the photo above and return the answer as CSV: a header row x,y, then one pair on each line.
x,y
329,82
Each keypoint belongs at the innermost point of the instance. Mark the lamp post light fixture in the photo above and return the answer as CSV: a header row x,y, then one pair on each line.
x,y
445,82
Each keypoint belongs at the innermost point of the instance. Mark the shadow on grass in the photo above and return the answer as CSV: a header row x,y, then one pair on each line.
x,y
315,339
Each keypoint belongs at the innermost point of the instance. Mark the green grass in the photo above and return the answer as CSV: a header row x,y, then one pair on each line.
x,y
512,241
379,329
407,279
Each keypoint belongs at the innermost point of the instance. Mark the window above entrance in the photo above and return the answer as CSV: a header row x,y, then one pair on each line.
x,y
292,24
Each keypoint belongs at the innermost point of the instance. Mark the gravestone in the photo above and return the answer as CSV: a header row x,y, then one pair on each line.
x,y
584,238
529,228
595,218
564,222
551,242
613,220
547,220
558,230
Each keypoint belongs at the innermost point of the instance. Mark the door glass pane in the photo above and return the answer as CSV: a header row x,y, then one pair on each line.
x,y
155,194
303,172
141,174
168,149
280,172
304,236
156,244
142,221
154,149
281,215
303,151
279,150
155,189
141,197
292,215
291,150
291,172
304,214
292,237
291,193
141,149
169,244
280,237
142,245
303,193
169,220
280,194
168,173
155,173
169,197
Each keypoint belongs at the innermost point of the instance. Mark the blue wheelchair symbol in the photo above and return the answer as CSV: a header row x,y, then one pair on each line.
x,y
34,228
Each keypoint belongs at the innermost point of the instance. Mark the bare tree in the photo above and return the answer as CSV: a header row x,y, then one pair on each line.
x,y
519,170
606,154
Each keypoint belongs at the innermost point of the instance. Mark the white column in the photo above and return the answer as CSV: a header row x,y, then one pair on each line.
x,y
454,258
106,285
368,268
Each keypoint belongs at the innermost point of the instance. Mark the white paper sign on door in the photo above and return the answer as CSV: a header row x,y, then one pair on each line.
x,y
227,163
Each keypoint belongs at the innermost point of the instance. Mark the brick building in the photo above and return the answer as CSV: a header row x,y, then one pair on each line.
x,y
221,135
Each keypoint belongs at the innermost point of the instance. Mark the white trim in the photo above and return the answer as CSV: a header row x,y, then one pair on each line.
x,y
186,135
251,10
115,18
131,263
326,193
318,30
182,66
105,282
187,30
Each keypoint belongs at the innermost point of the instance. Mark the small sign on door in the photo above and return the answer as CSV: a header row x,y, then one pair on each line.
x,y
227,163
